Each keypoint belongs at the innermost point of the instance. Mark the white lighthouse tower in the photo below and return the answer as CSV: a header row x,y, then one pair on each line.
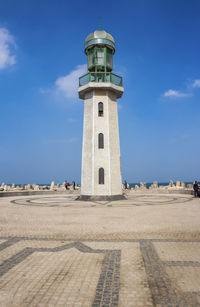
x,y
100,88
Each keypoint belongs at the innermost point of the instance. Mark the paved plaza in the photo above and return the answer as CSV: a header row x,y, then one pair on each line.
x,y
142,251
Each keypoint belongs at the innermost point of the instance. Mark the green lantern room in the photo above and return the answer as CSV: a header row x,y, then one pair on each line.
x,y
100,48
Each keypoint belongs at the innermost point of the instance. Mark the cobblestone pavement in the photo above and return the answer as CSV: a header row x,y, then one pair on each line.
x,y
143,251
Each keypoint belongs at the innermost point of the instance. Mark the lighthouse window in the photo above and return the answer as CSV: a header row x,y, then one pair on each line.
x,y
100,56
100,140
109,57
100,109
90,60
90,55
101,176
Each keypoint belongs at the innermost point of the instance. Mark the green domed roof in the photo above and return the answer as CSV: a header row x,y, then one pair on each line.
x,y
100,37
99,34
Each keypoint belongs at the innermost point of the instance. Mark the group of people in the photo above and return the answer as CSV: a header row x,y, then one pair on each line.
x,y
196,187
67,185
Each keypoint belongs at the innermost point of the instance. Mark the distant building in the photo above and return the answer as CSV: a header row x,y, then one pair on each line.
x,y
100,88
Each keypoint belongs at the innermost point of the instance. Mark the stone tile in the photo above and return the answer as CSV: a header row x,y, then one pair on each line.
x,y
178,251
63,278
134,289
187,279
143,251
17,247
140,216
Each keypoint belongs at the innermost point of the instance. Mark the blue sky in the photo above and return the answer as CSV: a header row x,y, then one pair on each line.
x,y
41,116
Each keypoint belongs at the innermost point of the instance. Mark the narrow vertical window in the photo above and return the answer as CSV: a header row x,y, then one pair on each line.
x,y
100,140
101,176
100,109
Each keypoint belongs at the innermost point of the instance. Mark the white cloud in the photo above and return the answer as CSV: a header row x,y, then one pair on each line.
x,y
121,71
45,91
196,83
71,120
7,43
175,94
62,141
73,140
68,85
119,104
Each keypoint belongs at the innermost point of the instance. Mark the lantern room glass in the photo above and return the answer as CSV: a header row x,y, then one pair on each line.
x,y
100,59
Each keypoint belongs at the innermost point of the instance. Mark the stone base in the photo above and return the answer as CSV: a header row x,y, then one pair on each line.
x,y
100,197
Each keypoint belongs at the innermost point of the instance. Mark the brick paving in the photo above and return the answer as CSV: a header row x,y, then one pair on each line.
x,y
143,251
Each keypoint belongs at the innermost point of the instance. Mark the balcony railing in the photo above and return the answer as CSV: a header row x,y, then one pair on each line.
x,y
100,77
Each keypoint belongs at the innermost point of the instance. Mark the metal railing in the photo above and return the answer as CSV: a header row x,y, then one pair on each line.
x,y
100,77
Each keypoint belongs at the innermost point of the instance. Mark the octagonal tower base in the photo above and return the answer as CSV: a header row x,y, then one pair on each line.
x,y
100,197
104,157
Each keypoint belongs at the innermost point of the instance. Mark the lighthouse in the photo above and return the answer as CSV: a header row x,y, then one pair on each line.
x,y
100,88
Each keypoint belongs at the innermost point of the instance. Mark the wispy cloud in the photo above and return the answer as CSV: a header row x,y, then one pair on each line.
x,y
180,138
7,43
71,120
178,94
175,94
62,141
73,140
119,104
67,85
121,71
196,83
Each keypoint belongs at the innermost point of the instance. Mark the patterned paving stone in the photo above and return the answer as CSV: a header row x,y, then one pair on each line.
x,y
178,251
18,245
74,267
134,289
68,201
143,251
186,278
97,274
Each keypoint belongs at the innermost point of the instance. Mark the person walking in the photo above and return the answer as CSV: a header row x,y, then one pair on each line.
x,y
195,188
198,192
125,185
74,185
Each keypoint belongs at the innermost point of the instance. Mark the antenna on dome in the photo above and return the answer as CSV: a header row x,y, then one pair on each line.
x,y
99,23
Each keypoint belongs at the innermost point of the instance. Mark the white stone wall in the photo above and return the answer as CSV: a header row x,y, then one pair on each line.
x,y
93,157
115,163
87,147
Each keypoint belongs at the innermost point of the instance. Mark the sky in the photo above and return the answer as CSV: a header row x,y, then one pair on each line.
x,y
41,116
